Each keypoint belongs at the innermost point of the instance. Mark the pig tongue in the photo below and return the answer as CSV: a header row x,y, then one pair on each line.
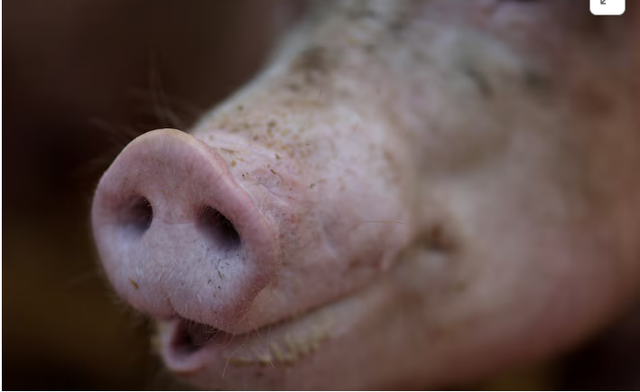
x,y
178,236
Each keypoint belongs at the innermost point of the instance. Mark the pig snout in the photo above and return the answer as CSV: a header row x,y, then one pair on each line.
x,y
228,243
167,210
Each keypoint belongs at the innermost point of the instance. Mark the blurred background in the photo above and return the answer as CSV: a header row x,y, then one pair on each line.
x,y
81,79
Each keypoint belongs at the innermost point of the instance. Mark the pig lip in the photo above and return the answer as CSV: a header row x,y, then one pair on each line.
x,y
187,339
187,346
183,343
190,336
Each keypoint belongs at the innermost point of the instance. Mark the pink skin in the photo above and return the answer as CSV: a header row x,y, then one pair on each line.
x,y
420,193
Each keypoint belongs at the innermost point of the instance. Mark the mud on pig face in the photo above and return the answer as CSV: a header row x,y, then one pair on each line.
x,y
413,193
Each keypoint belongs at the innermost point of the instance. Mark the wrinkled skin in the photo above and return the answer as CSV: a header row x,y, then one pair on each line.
x,y
413,194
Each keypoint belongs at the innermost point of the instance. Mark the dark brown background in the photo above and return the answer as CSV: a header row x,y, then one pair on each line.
x,y
81,79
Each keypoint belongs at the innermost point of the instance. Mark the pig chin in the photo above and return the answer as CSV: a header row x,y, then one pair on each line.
x,y
218,239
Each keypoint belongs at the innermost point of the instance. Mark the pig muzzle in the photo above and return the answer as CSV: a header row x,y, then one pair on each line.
x,y
177,235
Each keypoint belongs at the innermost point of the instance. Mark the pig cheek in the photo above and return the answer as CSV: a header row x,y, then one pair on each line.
x,y
520,295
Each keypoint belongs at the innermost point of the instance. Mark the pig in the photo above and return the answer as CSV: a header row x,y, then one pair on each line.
x,y
412,194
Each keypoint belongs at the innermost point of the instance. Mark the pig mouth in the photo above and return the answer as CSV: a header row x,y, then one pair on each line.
x,y
190,336
188,346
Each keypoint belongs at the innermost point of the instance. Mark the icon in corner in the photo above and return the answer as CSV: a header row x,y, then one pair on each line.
x,y
607,7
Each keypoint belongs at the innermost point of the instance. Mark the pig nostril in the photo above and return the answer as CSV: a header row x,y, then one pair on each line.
x,y
138,216
219,228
